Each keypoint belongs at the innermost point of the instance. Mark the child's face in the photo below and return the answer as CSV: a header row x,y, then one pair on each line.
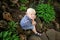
x,y
31,13
32,16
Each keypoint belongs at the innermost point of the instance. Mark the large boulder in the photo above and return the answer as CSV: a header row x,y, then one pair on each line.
x,y
34,37
57,35
51,33
44,36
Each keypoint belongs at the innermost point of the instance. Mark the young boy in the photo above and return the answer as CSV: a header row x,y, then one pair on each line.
x,y
28,21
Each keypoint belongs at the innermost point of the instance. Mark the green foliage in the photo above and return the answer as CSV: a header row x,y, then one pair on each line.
x,y
23,1
12,25
8,35
46,12
11,33
22,7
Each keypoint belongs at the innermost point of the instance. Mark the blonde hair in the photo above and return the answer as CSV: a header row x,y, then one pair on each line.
x,y
30,10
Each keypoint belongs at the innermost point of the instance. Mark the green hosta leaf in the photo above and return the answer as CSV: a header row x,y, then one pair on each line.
x,y
7,38
14,36
10,33
1,34
16,39
5,34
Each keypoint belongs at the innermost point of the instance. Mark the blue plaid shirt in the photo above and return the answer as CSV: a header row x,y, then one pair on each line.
x,y
26,23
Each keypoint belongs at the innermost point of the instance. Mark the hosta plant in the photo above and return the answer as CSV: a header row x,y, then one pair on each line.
x,y
10,33
46,12
22,8
12,26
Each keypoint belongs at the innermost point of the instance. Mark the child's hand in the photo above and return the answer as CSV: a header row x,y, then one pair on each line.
x,y
33,22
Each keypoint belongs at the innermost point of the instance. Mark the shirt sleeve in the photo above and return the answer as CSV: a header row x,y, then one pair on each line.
x,y
28,23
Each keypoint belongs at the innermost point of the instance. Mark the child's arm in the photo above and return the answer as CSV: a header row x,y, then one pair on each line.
x,y
33,22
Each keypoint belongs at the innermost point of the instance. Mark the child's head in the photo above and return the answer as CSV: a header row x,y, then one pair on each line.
x,y
31,13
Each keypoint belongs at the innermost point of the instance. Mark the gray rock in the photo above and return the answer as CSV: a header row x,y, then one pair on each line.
x,y
43,36
51,33
34,37
57,35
